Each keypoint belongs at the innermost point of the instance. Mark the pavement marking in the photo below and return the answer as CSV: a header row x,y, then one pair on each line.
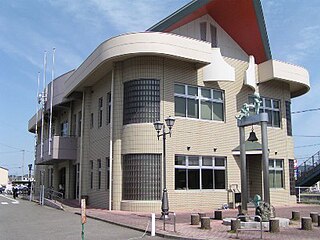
x,y
16,202
4,203
11,199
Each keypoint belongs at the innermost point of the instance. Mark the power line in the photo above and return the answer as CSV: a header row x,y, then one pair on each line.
x,y
311,136
307,110
19,149
311,145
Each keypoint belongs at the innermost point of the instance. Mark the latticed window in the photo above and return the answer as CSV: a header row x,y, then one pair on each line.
x,y
276,173
141,177
288,117
141,101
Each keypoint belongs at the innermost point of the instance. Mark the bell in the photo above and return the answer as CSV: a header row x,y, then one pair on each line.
x,y
252,137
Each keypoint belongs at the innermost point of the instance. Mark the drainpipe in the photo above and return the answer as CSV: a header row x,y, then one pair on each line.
x,y
111,143
81,147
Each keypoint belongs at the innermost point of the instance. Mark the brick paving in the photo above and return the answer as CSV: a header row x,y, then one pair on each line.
x,y
142,221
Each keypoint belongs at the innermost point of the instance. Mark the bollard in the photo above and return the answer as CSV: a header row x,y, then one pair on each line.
x,y
314,217
218,215
295,215
306,223
153,224
195,218
235,224
202,214
274,225
205,223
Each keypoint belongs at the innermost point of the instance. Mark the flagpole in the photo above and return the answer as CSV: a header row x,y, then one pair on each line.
x,y
43,100
37,116
51,100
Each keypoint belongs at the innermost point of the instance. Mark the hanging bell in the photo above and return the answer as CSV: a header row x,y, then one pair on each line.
x,y
252,137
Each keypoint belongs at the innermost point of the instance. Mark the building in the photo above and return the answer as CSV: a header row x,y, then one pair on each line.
x,y
200,65
4,176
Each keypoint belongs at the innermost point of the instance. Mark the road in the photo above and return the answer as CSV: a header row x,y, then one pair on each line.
x,y
21,219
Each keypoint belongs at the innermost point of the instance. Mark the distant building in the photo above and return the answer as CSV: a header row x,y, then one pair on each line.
x,y
199,65
4,176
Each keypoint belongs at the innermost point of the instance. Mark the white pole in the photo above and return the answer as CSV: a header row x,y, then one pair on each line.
x,y
51,99
299,195
111,143
43,100
153,224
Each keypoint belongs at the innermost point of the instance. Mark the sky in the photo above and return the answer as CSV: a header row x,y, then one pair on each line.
x,y
76,27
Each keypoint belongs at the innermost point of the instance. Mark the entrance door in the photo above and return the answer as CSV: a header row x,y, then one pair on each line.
x,y
254,173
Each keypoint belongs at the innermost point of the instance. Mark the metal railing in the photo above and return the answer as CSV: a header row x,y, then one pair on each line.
x,y
53,195
308,195
307,167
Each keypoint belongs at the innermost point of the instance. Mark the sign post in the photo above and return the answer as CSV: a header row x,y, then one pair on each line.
x,y
83,216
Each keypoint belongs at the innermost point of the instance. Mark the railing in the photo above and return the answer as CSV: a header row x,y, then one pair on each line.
x,y
308,167
53,195
308,194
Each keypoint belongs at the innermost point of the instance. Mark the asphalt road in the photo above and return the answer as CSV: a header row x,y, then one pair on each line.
x,y
21,219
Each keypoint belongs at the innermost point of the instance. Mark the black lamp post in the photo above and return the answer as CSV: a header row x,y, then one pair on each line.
x,y
158,126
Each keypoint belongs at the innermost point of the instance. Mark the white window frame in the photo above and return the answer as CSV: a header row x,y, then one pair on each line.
x,y
274,168
200,98
200,167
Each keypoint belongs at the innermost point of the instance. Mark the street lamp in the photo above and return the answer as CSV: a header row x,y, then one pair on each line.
x,y
158,126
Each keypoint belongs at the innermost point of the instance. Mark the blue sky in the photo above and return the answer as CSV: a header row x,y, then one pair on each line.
x,y
76,27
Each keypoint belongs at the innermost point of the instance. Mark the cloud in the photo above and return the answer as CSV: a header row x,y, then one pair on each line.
x,y
125,15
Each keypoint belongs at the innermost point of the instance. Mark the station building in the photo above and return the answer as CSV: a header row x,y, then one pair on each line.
x,y
198,65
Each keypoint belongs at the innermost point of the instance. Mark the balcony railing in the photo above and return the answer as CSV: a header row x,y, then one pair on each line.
x,y
62,148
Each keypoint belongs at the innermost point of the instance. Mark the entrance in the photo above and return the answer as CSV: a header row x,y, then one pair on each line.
x,y
62,180
254,176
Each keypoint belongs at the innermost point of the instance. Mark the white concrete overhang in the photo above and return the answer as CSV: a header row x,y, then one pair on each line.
x,y
297,77
137,44
218,69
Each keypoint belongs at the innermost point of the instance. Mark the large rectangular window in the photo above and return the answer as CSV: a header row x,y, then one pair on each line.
x,y
292,177
100,110
276,173
198,102
141,101
272,107
200,172
141,177
213,31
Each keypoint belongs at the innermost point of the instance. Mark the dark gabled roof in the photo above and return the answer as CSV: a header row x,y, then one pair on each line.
x,y
242,19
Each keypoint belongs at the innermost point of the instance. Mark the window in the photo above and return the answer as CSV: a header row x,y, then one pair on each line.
x,y
64,127
213,31
292,177
288,117
276,173
79,123
200,172
198,102
99,173
203,31
108,107
107,172
141,101
141,177
91,174
91,120
272,107
100,109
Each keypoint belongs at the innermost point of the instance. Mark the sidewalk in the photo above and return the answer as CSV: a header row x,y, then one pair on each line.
x,y
142,221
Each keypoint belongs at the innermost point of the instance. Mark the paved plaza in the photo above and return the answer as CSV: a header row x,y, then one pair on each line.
x,y
185,230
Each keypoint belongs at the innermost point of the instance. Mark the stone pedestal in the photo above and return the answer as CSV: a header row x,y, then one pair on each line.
x,y
195,219
205,223
295,216
314,217
218,215
274,225
235,224
306,223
